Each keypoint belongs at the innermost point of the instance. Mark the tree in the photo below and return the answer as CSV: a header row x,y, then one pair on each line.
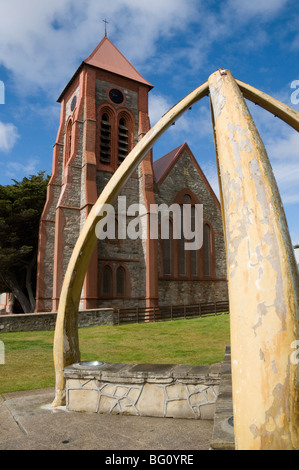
x,y
21,205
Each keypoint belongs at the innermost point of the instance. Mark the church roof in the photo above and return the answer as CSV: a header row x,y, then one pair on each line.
x,y
163,166
107,57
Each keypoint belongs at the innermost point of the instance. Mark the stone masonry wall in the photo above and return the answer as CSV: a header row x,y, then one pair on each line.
x,y
191,292
127,252
47,320
131,96
160,390
185,175
130,253
49,223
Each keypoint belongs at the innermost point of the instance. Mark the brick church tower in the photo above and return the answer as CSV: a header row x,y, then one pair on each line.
x,y
104,113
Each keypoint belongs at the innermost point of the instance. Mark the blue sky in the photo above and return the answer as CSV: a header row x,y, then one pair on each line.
x,y
174,44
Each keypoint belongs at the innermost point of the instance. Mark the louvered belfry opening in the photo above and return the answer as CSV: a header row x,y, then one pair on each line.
x,y
105,152
123,140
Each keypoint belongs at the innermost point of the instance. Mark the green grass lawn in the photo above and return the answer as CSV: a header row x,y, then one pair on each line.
x,y
29,355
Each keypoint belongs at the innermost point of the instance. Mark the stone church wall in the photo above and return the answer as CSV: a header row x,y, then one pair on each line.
x,y
46,321
47,229
191,292
130,253
174,292
131,96
127,252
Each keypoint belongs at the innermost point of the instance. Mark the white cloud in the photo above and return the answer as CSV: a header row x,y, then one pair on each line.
x,y
15,169
41,47
248,9
8,136
282,145
195,122
285,147
158,106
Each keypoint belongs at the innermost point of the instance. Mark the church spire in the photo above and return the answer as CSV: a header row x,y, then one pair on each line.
x,y
107,57
106,22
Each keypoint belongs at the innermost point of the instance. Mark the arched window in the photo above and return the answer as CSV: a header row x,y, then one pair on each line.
x,y
123,140
207,250
177,260
68,142
182,255
114,136
181,251
120,281
107,281
187,199
105,141
114,281
167,252
193,253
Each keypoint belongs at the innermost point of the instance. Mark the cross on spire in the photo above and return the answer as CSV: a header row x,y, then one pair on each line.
x,y
106,22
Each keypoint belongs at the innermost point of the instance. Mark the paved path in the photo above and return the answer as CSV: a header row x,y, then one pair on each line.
x,y
27,422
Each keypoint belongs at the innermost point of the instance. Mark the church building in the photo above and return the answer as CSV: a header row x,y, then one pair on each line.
x,y
104,113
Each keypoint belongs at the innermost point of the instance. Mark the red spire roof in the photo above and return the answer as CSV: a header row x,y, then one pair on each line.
x,y
107,57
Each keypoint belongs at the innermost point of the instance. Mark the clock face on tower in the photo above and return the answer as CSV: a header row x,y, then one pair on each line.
x,y
116,96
